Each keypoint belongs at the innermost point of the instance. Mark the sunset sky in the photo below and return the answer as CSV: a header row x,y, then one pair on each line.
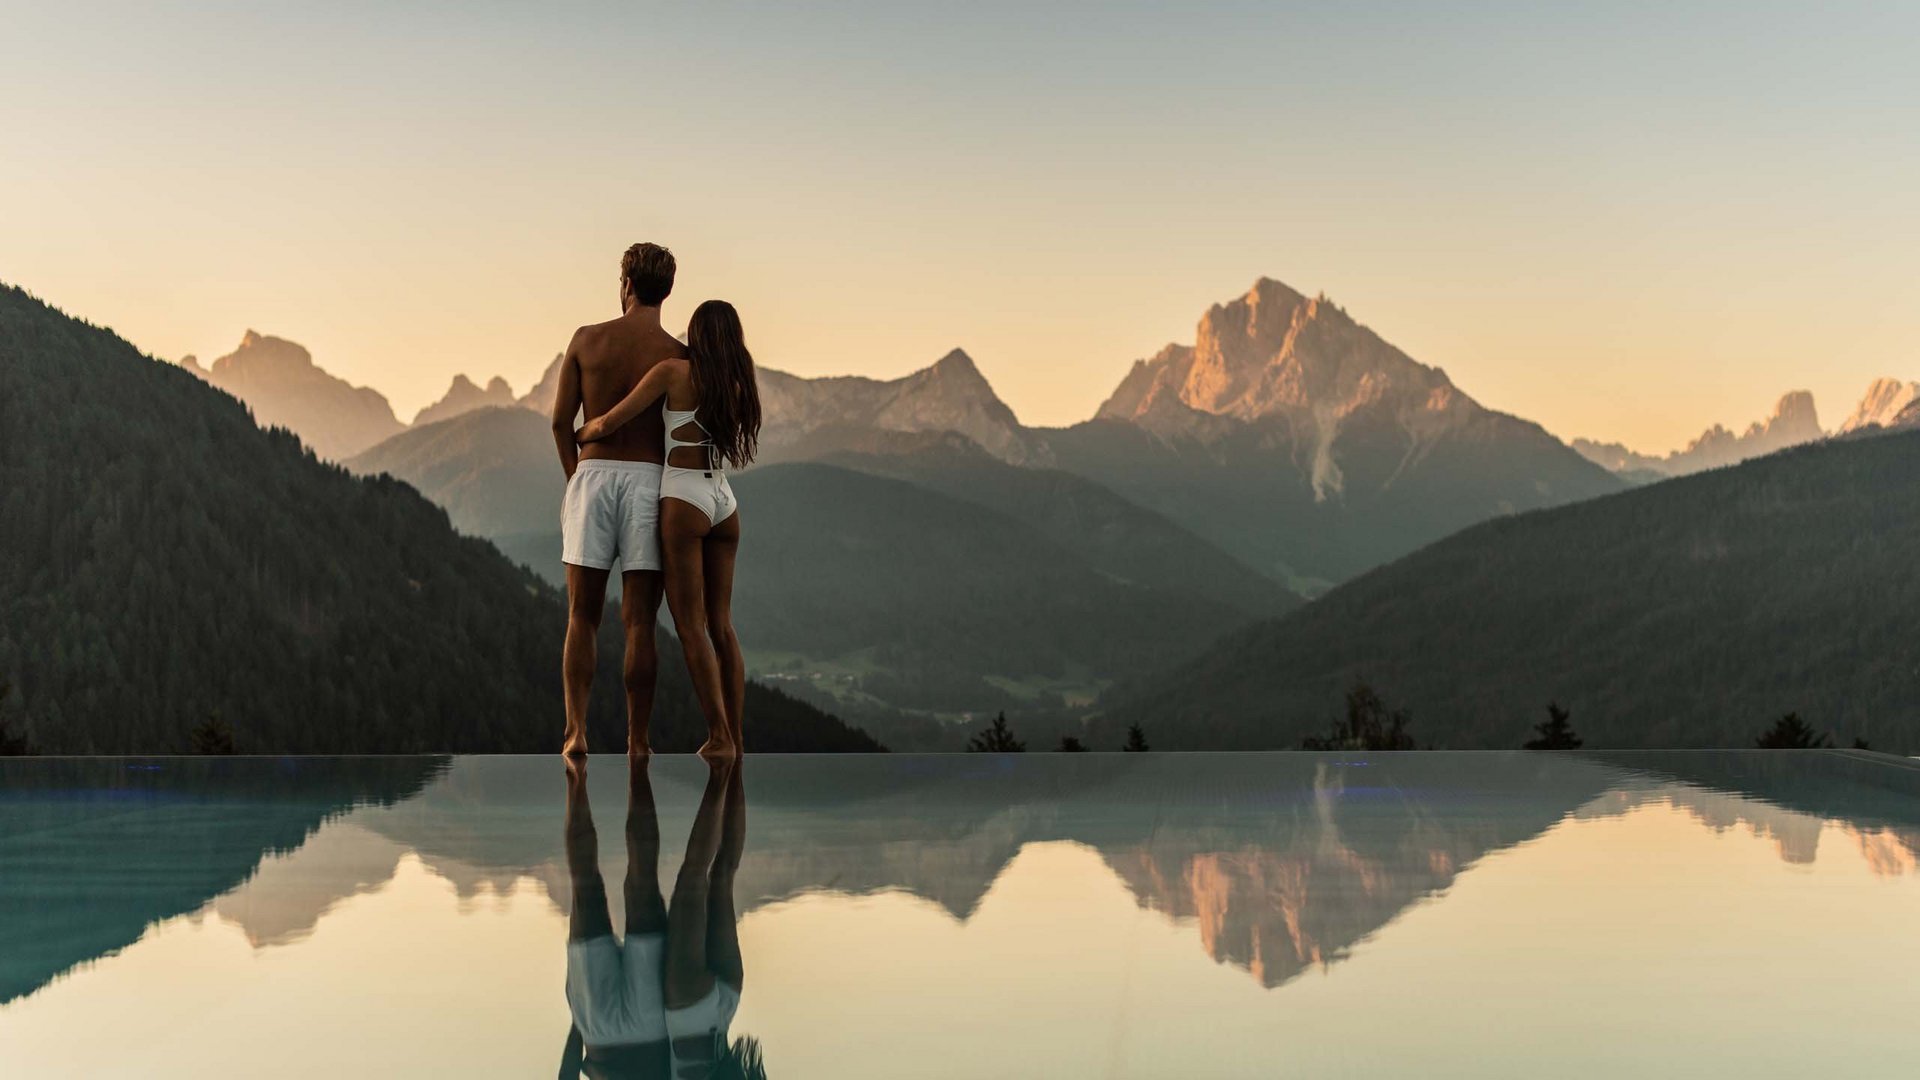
x,y
1625,221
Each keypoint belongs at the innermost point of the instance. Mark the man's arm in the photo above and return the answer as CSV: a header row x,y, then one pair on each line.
x,y
566,405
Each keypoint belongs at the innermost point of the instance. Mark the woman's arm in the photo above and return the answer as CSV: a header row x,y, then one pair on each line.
x,y
652,387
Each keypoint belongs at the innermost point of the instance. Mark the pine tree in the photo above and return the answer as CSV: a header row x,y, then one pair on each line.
x,y
1556,733
996,739
213,736
1792,733
1136,740
1071,745
11,745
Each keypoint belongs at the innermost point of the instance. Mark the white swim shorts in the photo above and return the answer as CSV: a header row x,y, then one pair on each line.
x,y
611,516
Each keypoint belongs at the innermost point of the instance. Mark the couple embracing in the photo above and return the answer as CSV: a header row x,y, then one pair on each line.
x,y
647,494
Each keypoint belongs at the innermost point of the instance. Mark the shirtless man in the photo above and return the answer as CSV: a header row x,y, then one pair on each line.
x,y
612,510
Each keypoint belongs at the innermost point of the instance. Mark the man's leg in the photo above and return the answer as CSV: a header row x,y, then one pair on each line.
x,y
640,612
646,908
586,599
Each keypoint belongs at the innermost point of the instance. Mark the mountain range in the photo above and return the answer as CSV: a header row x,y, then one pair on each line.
x,y
284,388
1689,613
1288,435
464,397
190,565
927,552
1288,449
1794,421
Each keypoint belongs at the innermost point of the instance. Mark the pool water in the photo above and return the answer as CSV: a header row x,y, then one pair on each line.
x,y
1749,914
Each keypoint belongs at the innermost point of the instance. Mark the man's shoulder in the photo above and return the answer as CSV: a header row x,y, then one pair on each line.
x,y
594,331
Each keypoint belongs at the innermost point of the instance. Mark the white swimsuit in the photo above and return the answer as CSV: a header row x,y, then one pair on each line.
x,y
705,488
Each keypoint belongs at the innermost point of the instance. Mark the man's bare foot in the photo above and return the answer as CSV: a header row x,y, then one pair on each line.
x,y
575,746
718,748
638,744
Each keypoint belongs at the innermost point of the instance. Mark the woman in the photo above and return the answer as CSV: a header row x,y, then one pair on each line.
x,y
711,407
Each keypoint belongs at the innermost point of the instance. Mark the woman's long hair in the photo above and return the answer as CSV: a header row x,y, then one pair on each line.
x,y
723,382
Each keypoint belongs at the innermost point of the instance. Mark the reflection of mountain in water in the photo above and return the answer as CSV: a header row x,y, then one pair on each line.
x,y
1789,798
1283,861
94,852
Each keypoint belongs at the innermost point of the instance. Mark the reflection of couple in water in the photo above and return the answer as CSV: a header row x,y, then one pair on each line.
x,y
659,1003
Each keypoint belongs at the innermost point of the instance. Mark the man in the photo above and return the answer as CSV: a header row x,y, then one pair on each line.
x,y
611,514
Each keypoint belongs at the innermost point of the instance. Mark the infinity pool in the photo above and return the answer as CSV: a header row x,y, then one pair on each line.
x,y
1742,914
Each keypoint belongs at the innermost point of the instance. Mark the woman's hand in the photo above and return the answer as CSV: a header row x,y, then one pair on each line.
x,y
592,431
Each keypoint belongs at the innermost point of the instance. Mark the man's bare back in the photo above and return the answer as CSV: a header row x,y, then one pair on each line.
x,y
603,363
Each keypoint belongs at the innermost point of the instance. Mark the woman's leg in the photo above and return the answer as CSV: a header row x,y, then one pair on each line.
x,y
723,923
683,530
722,545
687,976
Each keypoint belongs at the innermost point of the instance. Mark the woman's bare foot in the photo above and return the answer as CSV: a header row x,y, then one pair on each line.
x,y
575,746
718,747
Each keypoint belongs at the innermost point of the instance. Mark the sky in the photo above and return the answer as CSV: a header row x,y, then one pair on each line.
x,y
1625,221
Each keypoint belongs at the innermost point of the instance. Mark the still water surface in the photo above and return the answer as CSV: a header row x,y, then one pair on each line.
x,y
1511,915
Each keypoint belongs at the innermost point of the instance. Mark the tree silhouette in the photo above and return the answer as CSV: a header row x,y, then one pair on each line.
x,y
1792,733
1555,733
996,739
213,736
1368,725
1861,744
743,1060
1136,740
1071,745
11,745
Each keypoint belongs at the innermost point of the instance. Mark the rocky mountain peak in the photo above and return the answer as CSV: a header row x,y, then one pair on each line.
x,y
262,354
1274,350
949,395
464,396
1795,416
956,363
280,382
1883,401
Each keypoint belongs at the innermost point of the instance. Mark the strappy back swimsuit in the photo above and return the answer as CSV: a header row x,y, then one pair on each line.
x,y
705,488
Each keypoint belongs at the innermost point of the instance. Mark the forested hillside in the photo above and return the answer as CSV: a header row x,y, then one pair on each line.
x,y
164,560
1688,613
